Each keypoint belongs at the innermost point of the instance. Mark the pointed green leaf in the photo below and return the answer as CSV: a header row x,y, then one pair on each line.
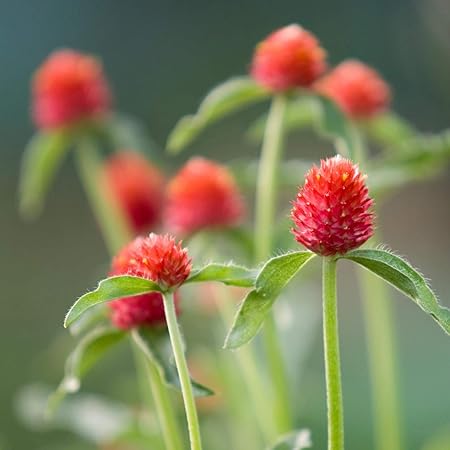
x,y
107,290
297,440
388,129
229,274
128,133
271,280
333,124
89,350
155,344
300,113
400,274
40,162
222,100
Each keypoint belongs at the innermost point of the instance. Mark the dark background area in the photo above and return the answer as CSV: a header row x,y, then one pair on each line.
x,y
161,58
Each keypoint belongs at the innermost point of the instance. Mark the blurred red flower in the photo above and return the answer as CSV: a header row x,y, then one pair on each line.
x,y
69,87
289,57
358,89
137,187
202,195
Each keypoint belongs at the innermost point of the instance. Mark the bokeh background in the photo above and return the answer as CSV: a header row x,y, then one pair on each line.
x,y
161,58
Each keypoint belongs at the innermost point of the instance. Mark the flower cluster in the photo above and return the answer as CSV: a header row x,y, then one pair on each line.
x,y
332,210
137,187
358,89
202,195
69,87
290,57
156,258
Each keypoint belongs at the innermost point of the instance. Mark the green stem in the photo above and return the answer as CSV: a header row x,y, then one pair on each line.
x,y
264,230
250,372
113,225
116,233
332,358
382,359
169,425
183,373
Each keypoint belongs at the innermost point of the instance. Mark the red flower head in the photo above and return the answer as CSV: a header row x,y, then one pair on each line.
x,y
288,58
331,213
157,258
358,90
202,195
137,187
69,87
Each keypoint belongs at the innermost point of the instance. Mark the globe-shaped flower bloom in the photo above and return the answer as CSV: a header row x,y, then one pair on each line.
x,y
358,89
137,187
69,87
157,258
332,211
288,58
202,195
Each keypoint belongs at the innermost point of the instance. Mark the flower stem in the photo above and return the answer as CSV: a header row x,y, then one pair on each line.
x,y
332,358
113,225
183,373
116,233
264,230
382,359
167,419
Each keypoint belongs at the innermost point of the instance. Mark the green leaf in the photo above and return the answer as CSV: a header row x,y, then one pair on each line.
x,y
87,353
128,133
40,162
300,113
388,129
297,440
400,274
107,290
271,280
229,274
333,124
222,100
155,344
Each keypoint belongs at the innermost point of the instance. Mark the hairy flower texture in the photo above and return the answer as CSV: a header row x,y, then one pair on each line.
x,y
157,258
288,58
358,89
69,87
202,195
332,213
137,187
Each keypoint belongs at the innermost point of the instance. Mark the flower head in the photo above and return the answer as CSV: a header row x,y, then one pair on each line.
x,y
69,87
288,58
358,89
202,195
137,187
332,213
157,258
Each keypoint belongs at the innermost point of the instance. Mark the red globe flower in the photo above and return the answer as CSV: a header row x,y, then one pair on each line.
x,y
332,213
137,187
202,195
157,258
358,90
288,58
68,87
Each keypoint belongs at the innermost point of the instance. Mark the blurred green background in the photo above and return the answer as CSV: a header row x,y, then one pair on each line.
x,y
161,58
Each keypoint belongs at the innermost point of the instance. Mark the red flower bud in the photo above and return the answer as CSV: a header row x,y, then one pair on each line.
x,y
332,213
137,187
358,90
288,58
69,87
202,195
157,258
